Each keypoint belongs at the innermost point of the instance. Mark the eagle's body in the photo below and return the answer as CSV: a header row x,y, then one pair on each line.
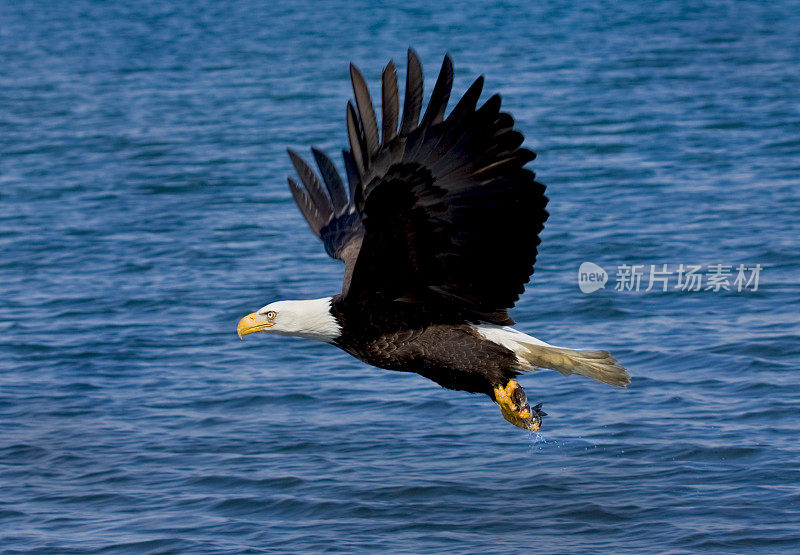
x,y
454,354
438,229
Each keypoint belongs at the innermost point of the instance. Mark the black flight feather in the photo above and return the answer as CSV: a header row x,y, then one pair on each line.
x,y
468,102
367,112
332,180
351,169
440,95
389,102
412,105
310,180
357,146
315,219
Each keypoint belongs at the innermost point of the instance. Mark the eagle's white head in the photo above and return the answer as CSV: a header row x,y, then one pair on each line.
x,y
311,319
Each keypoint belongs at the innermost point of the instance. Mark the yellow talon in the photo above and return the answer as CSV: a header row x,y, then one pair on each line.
x,y
515,408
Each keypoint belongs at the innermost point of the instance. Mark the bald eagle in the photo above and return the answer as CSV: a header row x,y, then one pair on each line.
x,y
437,227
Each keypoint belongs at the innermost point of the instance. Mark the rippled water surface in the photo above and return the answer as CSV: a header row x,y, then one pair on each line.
x,y
144,209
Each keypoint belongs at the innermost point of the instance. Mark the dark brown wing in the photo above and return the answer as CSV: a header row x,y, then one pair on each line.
x,y
442,212
451,217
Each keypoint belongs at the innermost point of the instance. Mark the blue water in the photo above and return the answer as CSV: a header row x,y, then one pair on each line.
x,y
144,210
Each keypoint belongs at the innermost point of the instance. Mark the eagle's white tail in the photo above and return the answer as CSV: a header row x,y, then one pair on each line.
x,y
534,354
598,365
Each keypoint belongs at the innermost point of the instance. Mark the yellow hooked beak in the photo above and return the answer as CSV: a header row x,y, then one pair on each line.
x,y
252,323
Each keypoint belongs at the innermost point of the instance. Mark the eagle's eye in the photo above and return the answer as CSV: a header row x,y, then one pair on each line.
x,y
271,314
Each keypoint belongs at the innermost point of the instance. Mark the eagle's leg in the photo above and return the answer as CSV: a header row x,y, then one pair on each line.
x,y
515,408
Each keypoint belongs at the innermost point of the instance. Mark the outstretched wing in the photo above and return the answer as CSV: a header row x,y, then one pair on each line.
x,y
441,212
